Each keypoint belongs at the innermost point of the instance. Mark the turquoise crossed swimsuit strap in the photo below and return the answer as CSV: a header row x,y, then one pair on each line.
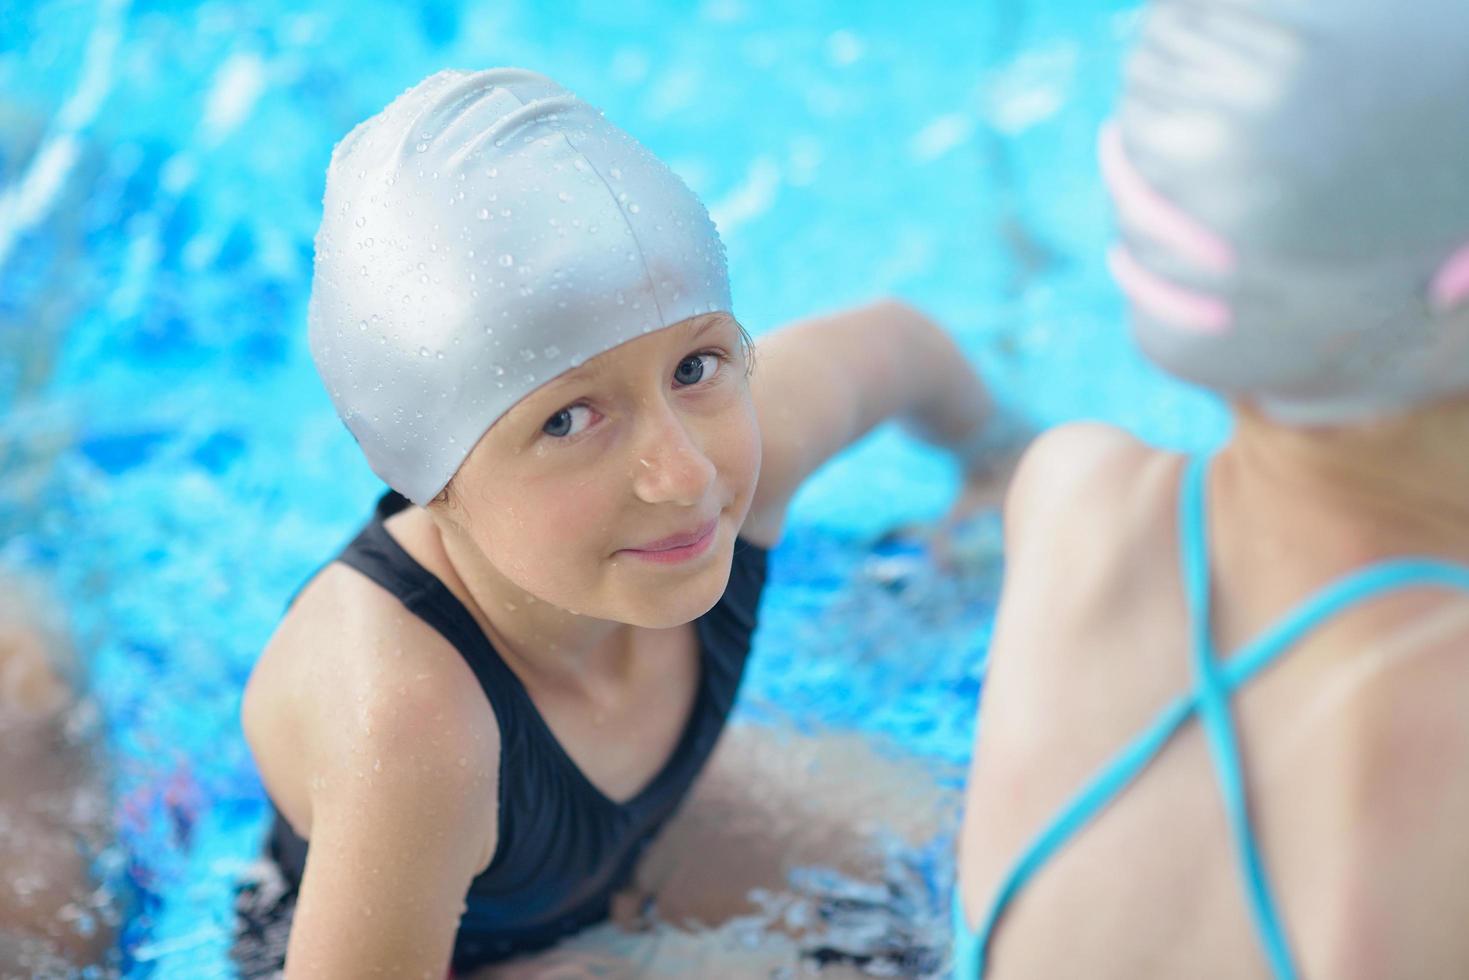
x,y
1214,682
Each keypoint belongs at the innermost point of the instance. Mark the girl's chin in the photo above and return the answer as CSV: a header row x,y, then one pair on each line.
x,y
678,605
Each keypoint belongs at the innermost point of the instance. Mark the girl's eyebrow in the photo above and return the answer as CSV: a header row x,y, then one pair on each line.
x,y
708,322
583,372
593,368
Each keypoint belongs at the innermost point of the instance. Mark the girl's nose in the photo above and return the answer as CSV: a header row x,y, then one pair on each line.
x,y
669,467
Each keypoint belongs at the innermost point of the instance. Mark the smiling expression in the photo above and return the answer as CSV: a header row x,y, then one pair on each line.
x,y
617,489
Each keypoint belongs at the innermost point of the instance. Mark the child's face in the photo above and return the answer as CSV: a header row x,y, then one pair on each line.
x,y
616,490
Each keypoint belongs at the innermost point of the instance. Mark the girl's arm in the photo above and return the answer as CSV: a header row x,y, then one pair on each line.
x,y
398,830
821,384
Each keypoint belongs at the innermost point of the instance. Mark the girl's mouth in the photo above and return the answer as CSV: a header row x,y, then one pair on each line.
x,y
678,547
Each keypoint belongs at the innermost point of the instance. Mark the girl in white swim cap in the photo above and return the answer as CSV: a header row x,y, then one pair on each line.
x,y
481,714
1289,180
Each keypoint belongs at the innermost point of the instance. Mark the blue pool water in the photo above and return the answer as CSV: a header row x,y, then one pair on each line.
x,y
172,465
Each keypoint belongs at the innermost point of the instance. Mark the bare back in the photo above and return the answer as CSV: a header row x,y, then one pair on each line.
x,y
1351,743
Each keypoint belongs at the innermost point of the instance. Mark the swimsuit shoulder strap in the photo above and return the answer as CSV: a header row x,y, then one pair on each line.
x,y
378,555
1214,682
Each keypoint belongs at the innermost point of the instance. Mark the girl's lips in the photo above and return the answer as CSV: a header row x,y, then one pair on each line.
x,y
679,547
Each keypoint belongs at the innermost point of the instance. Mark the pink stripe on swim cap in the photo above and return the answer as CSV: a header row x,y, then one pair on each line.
x,y
1451,285
1167,302
1155,215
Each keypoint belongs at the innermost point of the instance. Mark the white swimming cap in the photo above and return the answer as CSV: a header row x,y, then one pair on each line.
x,y
484,233
1292,183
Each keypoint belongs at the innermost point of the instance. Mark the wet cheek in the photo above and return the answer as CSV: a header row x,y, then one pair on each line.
x,y
738,456
545,549
574,522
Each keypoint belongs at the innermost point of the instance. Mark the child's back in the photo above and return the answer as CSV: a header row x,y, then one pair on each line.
x,y
1352,740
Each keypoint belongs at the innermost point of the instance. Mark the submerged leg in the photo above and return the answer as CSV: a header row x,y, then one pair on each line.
x,y
48,901
715,896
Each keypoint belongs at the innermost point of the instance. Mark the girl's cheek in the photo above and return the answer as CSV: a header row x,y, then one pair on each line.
x,y
738,446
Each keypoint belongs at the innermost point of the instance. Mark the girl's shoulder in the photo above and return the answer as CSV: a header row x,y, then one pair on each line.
x,y
1079,475
351,680
1092,598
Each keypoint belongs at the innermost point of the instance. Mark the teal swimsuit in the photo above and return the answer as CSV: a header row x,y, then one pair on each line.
x,y
1214,682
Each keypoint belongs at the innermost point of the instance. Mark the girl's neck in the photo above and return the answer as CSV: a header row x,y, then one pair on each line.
x,y
1395,487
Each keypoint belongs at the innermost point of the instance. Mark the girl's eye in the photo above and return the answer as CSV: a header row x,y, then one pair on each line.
x,y
696,368
568,422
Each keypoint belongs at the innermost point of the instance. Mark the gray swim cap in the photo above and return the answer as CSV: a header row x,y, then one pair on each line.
x,y
484,233
1292,184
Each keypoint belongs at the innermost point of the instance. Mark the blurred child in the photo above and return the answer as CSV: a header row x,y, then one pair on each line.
x,y
1227,713
52,918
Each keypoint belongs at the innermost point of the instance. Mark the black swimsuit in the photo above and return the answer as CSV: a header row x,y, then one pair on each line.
x,y
564,848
